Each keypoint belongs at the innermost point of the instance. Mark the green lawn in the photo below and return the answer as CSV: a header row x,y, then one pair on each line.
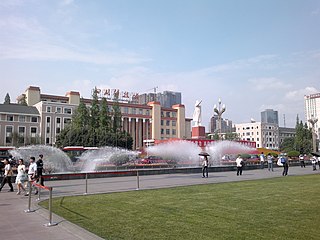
x,y
279,208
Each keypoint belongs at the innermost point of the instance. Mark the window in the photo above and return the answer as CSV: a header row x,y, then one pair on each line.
x,y
161,122
126,110
167,131
48,109
133,110
10,118
58,109
148,112
162,131
9,131
48,130
67,120
22,118
173,132
34,119
21,130
168,123
167,114
58,120
67,111
140,111
174,123
48,119
174,114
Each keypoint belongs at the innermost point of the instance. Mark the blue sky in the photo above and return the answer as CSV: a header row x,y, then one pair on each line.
x,y
252,54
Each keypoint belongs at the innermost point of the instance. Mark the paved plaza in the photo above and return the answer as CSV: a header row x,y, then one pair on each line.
x,y
16,224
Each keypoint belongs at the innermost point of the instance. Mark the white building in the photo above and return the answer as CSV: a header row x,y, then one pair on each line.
x,y
312,110
266,135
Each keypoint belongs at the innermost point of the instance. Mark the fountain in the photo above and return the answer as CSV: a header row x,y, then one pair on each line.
x,y
187,152
100,159
55,160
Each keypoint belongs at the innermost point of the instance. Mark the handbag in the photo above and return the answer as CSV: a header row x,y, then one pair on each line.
x,y
24,177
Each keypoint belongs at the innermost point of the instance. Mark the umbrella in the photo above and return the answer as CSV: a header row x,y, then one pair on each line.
x,y
204,154
317,154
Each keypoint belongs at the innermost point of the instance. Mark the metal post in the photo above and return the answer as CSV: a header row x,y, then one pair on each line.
x,y
138,183
50,210
86,192
29,199
39,190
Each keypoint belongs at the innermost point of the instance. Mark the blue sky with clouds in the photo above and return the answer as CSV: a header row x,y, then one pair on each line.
x,y
252,54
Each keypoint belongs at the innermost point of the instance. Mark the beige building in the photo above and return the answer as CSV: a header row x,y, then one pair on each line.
x,y
266,135
19,125
142,121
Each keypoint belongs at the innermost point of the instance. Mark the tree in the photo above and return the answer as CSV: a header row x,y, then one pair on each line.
x,y
287,145
303,139
231,137
7,99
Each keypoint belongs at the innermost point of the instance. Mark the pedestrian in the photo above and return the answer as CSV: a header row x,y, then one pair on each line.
x,y
301,159
240,163
21,177
205,165
39,172
314,161
32,174
7,176
270,162
262,158
285,163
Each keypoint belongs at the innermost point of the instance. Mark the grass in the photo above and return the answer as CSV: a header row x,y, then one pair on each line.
x,y
280,208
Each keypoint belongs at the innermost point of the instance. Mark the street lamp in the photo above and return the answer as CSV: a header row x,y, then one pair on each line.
x,y
313,121
219,111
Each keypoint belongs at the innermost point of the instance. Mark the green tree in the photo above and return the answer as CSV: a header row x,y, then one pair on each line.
x,y
231,137
288,144
303,139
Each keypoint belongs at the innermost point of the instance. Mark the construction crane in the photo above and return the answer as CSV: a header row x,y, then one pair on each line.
x,y
154,91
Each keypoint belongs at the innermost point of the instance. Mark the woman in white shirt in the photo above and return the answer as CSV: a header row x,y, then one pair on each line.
x,y
21,176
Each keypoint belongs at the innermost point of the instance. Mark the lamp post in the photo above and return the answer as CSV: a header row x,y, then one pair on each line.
x,y
313,121
219,111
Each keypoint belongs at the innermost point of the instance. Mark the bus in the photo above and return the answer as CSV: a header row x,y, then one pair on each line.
x,y
74,152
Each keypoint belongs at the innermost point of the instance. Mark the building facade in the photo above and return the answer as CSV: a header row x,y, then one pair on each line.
x,y
266,135
167,99
141,121
19,125
312,110
226,125
286,133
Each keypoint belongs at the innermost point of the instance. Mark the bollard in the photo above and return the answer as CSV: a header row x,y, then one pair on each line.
x,y
50,224
29,199
39,190
86,192
138,184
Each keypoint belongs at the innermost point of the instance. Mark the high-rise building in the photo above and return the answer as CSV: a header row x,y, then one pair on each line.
x,y
312,110
226,125
167,99
270,116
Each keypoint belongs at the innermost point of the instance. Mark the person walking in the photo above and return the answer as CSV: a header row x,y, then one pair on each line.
x,y
205,165
32,174
301,159
284,161
270,162
262,160
21,176
7,176
39,172
314,161
240,163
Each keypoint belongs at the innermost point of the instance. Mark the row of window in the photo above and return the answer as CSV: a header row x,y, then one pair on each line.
x,y
21,118
173,123
66,110
167,131
21,137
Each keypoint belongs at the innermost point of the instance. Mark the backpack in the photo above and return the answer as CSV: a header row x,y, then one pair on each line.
x,y
283,160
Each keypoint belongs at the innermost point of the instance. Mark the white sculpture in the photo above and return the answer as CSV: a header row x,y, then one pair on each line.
x,y
197,113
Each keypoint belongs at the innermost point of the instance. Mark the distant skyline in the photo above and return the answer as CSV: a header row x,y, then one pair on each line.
x,y
254,55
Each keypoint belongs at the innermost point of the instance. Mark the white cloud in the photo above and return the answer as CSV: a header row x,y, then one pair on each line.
x,y
27,39
272,83
66,2
297,95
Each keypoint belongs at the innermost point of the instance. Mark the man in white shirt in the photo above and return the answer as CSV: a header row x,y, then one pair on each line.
x,y
32,172
7,176
239,162
262,160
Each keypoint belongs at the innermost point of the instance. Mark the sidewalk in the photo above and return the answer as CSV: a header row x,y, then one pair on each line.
x,y
15,224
